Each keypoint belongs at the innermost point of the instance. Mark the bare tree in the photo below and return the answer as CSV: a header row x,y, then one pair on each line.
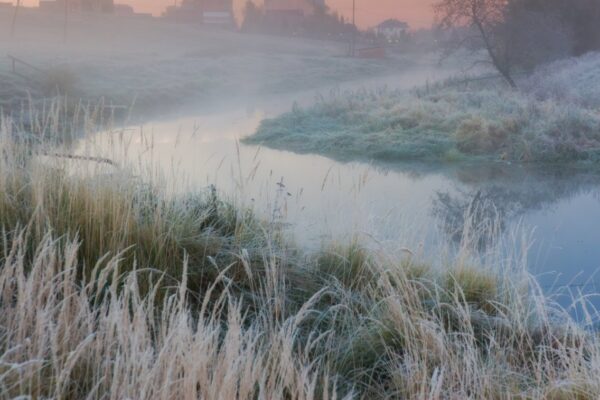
x,y
482,21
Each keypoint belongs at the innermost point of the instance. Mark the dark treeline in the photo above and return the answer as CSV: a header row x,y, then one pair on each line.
x,y
518,35
580,19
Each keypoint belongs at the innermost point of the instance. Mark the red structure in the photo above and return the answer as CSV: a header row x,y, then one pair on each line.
x,y
371,52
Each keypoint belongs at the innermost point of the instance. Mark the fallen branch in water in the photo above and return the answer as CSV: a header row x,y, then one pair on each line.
x,y
100,160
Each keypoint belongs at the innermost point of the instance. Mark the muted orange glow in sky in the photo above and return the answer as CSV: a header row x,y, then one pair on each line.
x,y
369,12
417,13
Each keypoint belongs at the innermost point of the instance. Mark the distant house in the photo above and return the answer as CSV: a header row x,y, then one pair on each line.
x,y
216,13
98,6
124,10
289,15
189,11
392,30
127,11
293,7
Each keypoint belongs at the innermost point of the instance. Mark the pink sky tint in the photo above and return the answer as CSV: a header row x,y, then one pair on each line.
x,y
417,13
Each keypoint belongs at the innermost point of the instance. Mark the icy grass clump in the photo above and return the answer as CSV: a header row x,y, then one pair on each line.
x,y
575,79
453,121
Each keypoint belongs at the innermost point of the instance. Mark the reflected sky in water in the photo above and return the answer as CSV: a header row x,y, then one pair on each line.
x,y
392,205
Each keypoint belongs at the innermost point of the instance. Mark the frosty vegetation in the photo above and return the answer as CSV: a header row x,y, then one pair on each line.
x,y
553,119
113,288
542,108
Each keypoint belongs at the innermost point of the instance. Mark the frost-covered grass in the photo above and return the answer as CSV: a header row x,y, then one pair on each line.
x,y
111,288
575,80
454,121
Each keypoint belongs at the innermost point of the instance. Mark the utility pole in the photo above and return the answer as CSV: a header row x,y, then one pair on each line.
x,y
353,45
13,25
66,21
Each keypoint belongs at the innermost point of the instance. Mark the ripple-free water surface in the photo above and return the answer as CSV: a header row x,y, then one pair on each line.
x,y
394,205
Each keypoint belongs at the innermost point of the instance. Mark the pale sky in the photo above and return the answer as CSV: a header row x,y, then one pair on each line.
x,y
369,12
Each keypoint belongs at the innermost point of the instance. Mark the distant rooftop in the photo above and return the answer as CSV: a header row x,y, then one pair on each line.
x,y
393,24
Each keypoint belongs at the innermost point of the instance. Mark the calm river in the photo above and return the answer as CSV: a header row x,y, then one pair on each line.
x,y
391,205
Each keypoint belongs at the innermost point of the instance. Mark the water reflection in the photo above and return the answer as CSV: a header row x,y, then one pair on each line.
x,y
562,204
397,205
471,215
494,196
